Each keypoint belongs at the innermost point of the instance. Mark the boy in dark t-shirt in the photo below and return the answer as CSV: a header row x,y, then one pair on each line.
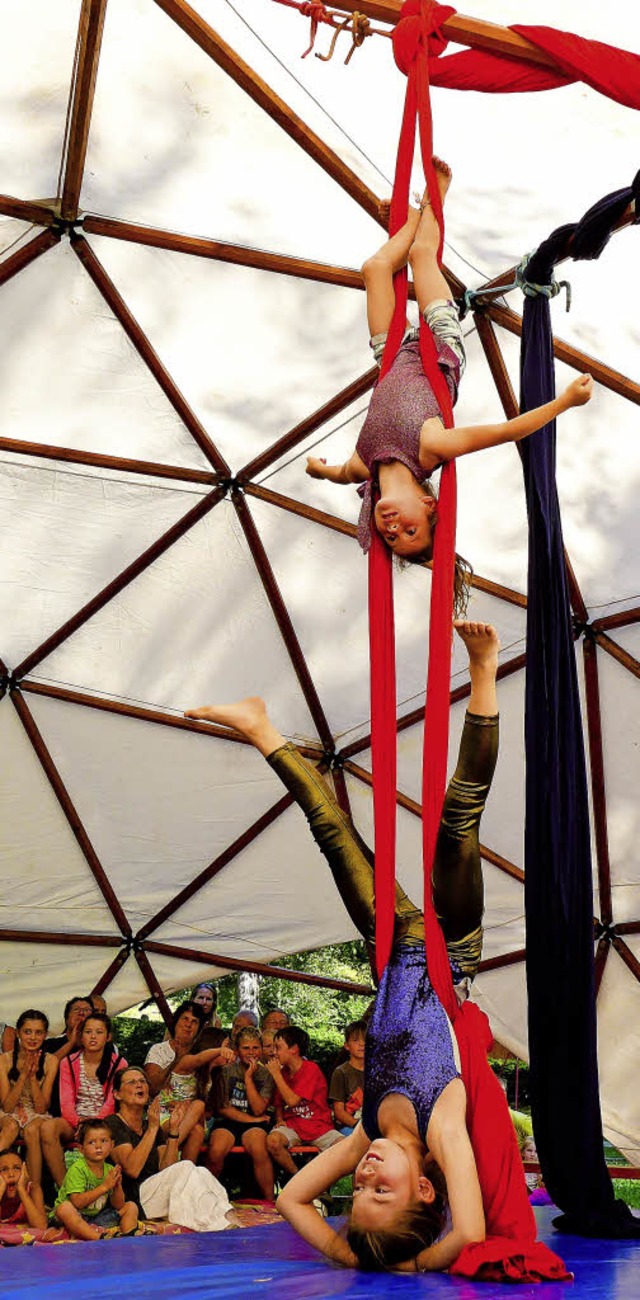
x,y
246,1090
347,1080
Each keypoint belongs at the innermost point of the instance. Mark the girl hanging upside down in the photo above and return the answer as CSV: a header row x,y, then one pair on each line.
x,y
403,439
417,1199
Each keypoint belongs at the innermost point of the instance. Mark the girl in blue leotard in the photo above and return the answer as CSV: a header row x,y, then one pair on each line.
x,y
417,1197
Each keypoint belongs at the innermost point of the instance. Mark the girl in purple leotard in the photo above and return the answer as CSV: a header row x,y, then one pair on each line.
x,y
416,1189
403,439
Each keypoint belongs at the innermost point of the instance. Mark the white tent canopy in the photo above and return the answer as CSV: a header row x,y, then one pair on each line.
x,y
162,546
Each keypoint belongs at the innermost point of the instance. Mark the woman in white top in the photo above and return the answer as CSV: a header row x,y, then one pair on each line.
x,y
170,1069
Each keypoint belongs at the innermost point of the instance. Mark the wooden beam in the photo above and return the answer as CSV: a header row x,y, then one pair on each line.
x,y
111,971
624,618
219,251
72,816
628,927
83,89
356,389
106,704
262,94
474,32
417,715
47,451
228,855
612,379
349,530
61,937
498,963
27,254
154,988
257,968
629,959
510,405
412,806
118,584
283,619
143,347
602,953
37,214
616,651
301,509
598,794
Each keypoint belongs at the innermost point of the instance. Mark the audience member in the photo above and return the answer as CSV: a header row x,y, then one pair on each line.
x,y
99,1003
152,1176
26,1081
86,1089
268,1045
75,1014
347,1080
91,1199
247,1089
170,1068
20,1200
274,1019
301,1105
206,996
7,1037
243,1019
140,1146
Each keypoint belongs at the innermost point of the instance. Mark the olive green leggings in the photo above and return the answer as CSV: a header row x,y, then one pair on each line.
x,y
457,871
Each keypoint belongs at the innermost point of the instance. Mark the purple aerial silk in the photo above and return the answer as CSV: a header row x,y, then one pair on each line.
x,y
558,883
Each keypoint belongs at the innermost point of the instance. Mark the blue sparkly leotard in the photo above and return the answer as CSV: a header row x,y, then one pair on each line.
x,y
409,1048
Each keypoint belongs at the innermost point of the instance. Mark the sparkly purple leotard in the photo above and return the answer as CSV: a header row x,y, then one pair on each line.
x,y
400,404
409,1048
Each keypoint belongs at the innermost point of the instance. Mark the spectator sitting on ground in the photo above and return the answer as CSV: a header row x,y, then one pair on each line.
x,y
91,1199
86,1089
247,1089
75,1014
152,1174
20,1200
347,1080
301,1106
140,1146
27,1074
274,1019
171,1068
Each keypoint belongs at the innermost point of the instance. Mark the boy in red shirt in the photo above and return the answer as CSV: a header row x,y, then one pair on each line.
x,y
302,1109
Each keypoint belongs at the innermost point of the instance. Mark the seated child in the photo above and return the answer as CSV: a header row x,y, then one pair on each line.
x,y
20,1200
301,1105
91,1198
268,1045
246,1091
347,1081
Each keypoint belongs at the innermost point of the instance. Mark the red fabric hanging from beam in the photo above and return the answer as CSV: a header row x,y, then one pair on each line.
x,y
607,69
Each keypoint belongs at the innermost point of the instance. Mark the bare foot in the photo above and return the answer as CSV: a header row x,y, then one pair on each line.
x,y
444,176
482,642
244,716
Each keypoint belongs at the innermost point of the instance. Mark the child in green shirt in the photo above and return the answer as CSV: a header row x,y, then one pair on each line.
x,y
91,1198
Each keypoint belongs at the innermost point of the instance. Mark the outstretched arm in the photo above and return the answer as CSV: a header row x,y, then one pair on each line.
x,y
295,1203
354,470
446,444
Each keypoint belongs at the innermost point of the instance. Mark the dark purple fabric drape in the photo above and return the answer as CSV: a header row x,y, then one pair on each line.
x,y
558,889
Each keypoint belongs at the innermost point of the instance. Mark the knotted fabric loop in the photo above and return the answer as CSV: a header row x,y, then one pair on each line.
x,y
532,290
415,33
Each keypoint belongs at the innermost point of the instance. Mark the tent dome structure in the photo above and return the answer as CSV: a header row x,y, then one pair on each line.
x,y
185,206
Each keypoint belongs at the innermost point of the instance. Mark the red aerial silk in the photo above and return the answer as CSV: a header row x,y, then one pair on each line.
x,y
424,38
613,72
510,1251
